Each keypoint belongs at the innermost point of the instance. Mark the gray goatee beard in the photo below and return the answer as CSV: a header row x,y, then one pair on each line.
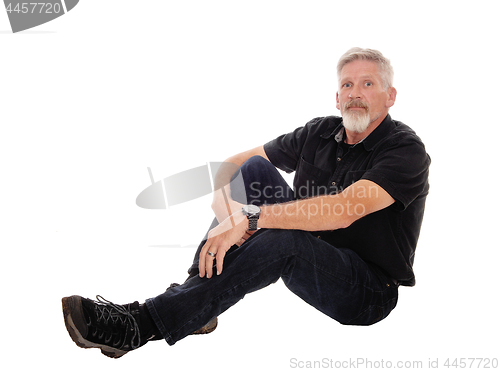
x,y
356,121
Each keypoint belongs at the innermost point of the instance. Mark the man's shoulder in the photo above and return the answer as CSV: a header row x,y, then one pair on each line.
x,y
393,135
403,139
326,120
404,131
323,125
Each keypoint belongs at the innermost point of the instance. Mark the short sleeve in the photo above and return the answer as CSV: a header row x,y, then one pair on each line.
x,y
284,151
401,167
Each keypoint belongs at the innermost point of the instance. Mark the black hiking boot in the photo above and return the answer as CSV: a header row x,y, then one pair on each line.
x,y
115,329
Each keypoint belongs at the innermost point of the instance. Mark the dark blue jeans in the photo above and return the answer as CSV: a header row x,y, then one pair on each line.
x,y
334,280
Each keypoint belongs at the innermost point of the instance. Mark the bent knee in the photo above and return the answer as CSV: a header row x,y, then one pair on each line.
x,y
258,161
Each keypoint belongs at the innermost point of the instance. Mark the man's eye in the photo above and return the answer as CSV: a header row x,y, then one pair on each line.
x,y
347,85
368,84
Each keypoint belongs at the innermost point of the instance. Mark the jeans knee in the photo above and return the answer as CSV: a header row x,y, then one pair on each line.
x,y
256,161
263,182
251,167
245,179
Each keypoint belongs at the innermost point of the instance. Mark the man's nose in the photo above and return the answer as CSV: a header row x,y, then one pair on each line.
x,y
355,93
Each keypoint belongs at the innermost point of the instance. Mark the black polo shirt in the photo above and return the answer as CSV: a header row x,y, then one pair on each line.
x,y
392,156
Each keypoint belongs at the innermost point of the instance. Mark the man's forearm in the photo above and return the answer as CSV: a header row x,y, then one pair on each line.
x,y
326,212
223,205
316,214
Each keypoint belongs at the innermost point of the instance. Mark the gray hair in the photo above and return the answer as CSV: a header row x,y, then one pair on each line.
x,y
384,65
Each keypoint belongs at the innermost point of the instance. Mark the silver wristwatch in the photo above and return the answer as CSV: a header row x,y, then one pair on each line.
x,y
252,212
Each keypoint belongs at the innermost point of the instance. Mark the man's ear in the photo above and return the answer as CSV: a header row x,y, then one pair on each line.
x,y
391,99
338,103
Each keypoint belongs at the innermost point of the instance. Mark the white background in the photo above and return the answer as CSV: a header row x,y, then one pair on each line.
x,y
90,100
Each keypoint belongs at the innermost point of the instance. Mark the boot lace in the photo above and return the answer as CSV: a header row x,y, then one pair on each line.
x,y
113,316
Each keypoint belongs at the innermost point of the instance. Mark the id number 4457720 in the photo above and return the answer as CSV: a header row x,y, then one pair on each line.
x,y
40,8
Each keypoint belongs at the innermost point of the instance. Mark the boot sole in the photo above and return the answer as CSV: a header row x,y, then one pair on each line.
x,y
71,305
207,328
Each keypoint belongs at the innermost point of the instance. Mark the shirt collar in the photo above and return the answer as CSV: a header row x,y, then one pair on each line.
x,y
369,142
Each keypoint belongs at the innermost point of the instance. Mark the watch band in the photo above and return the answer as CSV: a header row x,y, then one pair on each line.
x,y
252,212
252,223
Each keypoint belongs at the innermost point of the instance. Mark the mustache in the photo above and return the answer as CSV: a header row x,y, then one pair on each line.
x,y
356,103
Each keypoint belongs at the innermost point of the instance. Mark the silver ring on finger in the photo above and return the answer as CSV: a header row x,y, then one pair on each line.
x,y
211,254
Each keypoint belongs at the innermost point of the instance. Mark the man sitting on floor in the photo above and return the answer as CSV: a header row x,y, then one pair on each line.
x,y
343,239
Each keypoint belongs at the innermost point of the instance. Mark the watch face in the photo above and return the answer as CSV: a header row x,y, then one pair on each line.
x,y
251,209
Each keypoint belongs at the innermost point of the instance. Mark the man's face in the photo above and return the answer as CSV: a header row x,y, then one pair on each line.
x,y
362,98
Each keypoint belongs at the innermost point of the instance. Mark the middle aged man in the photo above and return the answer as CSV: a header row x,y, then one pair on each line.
x,y
343,240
